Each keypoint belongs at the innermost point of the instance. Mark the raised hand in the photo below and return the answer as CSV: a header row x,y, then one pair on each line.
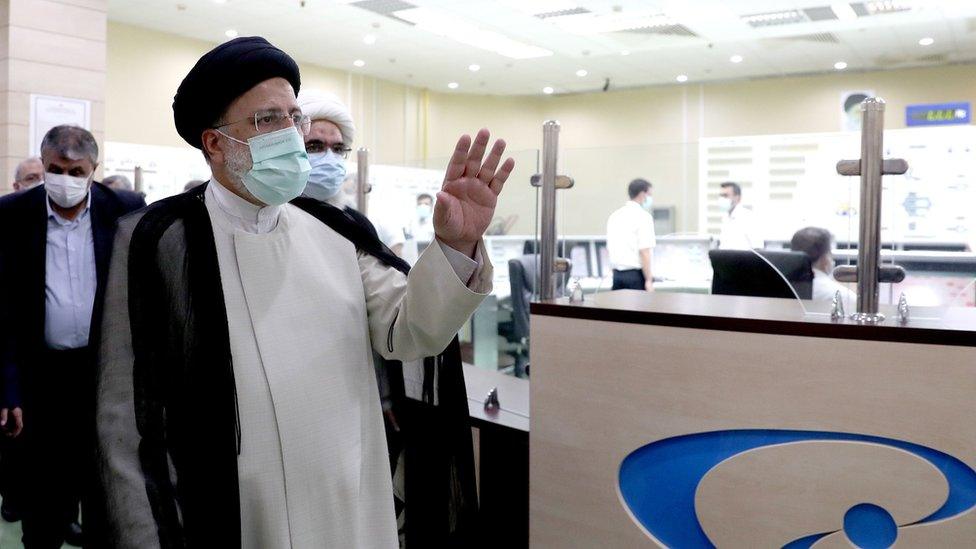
x,y
466,203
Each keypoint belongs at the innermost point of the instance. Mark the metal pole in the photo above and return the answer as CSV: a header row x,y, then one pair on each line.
x,y
137,182
362,179
547,236
869,248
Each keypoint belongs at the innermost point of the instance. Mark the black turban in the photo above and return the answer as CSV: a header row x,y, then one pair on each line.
x,y
222,75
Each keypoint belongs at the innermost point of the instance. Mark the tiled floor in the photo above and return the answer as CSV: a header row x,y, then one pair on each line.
x,y
10,536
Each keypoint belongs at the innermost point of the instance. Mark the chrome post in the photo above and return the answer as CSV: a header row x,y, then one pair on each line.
x,y
362,179
547,233
869,247
871,167
138,185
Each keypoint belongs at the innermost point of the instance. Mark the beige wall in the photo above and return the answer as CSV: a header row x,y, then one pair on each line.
x,y
145,68
607,138
34,34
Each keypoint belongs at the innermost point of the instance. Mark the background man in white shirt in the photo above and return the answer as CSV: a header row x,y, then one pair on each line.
x,y
740,231
816,243
630,239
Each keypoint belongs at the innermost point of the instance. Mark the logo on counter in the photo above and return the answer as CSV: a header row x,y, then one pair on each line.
x,y
674,489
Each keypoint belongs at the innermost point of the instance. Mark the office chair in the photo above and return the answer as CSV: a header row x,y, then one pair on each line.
x,y
742,272
521,277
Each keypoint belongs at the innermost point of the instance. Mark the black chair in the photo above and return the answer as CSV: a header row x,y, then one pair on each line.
x,y
521,277
742,272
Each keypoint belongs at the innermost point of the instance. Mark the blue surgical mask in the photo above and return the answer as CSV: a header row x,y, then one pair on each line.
x,y
327,175
648,203
423,211
280,167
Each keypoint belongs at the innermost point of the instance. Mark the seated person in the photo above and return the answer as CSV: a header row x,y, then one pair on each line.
x,y
816,243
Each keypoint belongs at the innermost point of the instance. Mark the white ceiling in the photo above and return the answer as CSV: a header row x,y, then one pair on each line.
x,y
436,51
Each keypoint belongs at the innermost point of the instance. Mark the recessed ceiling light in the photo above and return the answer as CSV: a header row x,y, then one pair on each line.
x,y
453,85
736,58
843,11
474,68
926,41
581,73
220,1
682,78
840,65
625,52
547,90
359,63
369,39
230,33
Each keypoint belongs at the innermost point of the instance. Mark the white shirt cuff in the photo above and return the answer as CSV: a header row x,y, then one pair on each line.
x,y
464,267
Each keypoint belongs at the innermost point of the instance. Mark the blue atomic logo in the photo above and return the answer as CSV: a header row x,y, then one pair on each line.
x,y
658,483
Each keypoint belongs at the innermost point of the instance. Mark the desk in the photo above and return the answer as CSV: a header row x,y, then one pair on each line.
x,y
791,420
502,455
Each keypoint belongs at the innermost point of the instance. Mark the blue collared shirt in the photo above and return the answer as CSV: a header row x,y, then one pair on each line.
x,y
70,279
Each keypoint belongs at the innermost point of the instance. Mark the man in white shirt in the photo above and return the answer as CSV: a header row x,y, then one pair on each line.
x,y
630,239
816,243
423,231
740,231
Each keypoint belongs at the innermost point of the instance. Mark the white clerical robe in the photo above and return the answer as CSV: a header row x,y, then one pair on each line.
x,y
304,310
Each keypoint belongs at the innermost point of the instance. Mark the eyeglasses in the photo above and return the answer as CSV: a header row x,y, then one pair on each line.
x,y
269,121
340,149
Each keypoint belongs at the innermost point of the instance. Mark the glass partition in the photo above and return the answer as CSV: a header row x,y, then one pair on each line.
x,y
789,191
496,337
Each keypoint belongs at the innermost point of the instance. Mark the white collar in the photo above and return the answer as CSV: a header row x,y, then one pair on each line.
x,y
242,214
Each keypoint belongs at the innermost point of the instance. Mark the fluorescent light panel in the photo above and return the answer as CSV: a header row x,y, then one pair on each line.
x,y
843,11
447,25
592,23
888,6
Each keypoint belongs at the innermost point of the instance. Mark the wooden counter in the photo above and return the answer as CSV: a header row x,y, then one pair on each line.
x,y
802,418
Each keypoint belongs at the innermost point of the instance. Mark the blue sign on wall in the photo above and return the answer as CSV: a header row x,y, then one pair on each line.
x,y
938,115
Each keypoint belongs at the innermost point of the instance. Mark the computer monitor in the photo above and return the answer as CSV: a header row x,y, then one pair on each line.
x,y
742,272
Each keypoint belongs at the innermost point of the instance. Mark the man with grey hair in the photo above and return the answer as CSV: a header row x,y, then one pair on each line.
x,y
118,182
59,259
29,174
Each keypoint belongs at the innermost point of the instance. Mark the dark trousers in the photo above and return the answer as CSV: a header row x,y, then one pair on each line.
x,y
631,279
58,442
12,465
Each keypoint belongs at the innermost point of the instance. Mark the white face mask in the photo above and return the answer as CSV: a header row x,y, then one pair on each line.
x,y
65,190
725,203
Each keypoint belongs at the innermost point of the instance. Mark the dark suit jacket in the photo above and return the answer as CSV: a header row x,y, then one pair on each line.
x,y
23,258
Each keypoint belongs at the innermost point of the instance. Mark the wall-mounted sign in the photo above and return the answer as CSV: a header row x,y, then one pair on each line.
x,y
48,111
939,114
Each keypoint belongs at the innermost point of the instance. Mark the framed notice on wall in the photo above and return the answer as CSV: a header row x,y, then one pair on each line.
x,y
48,111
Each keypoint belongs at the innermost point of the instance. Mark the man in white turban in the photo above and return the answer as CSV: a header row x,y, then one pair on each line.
x,y
328,144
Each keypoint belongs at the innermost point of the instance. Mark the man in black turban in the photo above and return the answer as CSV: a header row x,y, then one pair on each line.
x,y
237,403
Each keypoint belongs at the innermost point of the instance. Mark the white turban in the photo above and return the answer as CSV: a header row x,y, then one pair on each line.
x,y
322,105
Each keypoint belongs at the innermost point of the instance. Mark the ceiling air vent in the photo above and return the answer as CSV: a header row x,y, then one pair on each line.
x,y
775,18
562,13
823,13
939,58
667,30
819,37
383,7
